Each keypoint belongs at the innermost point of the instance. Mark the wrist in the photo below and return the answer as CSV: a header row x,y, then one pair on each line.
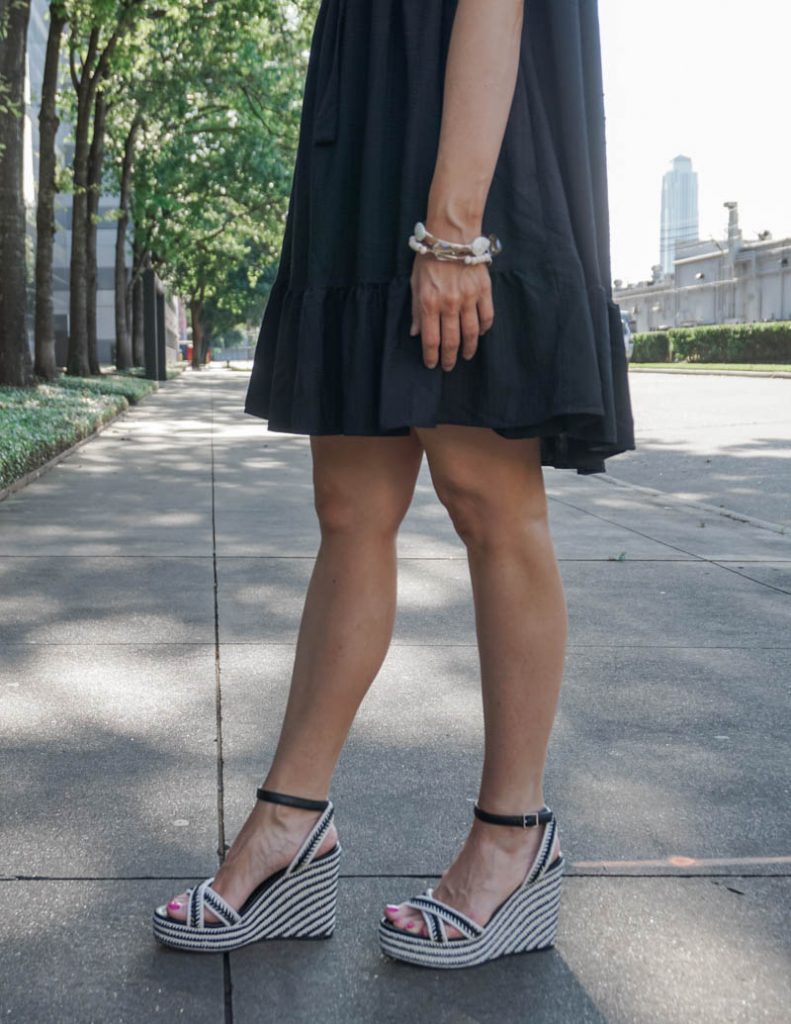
x,y
454,220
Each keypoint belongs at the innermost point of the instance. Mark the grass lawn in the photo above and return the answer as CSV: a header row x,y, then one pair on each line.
x,y
38,422
761,367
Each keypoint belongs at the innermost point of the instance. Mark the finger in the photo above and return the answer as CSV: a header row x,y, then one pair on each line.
x,y
430,336
414,327
451,339
470,328
485,310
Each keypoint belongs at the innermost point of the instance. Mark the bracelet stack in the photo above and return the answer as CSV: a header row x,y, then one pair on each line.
x,y
479,250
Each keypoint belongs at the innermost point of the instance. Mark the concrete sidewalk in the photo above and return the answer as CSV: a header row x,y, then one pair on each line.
x,y
141,702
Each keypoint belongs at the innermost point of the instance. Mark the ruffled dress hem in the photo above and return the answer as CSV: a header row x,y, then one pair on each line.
x,y
339,360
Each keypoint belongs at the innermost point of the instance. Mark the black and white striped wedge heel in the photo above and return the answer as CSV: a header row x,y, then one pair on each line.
x,y
527,920
297,902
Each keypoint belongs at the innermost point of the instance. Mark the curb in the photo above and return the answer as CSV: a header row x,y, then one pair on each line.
x,y
667,498
708,373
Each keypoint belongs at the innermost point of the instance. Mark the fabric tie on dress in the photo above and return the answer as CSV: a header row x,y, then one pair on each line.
x,y
325,124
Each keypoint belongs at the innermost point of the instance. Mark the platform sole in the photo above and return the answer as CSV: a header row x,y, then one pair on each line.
x,y
525,923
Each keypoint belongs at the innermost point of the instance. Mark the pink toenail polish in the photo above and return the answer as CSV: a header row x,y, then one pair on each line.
x,y
174,905
410,924
392,907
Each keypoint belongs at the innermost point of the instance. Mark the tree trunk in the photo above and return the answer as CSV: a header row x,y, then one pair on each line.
x,y
95,159
196,309
78,361
48,122
15,362
92,71
138,337
138,321
123,339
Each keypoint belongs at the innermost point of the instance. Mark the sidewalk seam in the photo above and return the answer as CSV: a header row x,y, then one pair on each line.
x,y
227,981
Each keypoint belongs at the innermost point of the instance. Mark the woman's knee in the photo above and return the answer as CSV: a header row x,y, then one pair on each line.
x,y
485,514
364,485
349,507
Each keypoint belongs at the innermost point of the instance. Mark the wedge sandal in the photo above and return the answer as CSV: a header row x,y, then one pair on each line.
x,y
526,921
297,902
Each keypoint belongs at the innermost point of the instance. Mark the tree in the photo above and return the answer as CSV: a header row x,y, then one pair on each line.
x,y
15,363
47,190
124,355
95,30
94,188
212,180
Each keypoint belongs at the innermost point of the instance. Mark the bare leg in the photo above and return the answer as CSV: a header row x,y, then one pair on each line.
x,y
363,487
493,488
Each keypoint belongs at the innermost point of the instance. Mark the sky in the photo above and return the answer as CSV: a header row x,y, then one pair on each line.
x,y
708,79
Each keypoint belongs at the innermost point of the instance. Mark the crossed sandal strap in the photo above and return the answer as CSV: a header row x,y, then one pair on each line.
x,y
203,897
437,915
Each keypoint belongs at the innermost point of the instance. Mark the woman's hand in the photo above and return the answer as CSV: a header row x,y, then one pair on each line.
x,y
451,307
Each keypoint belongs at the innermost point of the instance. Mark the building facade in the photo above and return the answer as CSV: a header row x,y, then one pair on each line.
x,y
679,218
725,282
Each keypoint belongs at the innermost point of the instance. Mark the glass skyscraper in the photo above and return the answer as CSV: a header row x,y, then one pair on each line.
x,y
679,210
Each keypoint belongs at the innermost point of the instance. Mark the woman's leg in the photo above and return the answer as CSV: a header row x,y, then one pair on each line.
x,y
493,488
363,487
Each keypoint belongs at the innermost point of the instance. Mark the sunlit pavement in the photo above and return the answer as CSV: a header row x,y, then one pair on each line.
x,y
140,703
723,440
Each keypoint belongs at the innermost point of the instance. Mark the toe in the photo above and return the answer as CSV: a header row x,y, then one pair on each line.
x,y
406,918
177,907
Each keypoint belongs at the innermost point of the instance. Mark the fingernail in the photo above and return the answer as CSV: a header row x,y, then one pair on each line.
x,y
392,907
174,905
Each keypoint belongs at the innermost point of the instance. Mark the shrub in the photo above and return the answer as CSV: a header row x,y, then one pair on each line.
x,y
716,343
39,422
651,347
733,343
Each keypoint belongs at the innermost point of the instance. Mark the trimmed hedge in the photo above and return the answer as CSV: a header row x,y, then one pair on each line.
x,y
653,347
716,343
39,422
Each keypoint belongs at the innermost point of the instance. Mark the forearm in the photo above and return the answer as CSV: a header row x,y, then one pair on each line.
x,y
480,78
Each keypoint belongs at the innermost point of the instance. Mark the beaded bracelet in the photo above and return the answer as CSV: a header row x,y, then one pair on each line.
x,y
479,250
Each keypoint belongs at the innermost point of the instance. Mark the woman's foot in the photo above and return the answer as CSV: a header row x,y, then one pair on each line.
x,y
268,841
490,866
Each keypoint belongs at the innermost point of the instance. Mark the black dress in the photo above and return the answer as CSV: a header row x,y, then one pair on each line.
x,y
334,354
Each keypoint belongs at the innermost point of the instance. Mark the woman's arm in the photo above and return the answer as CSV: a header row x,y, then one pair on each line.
x,y
452,301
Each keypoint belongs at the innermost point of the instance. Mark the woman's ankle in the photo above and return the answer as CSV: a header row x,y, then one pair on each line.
x,y
286,783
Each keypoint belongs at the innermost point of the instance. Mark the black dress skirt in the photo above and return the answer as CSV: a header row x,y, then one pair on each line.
x,y
334,353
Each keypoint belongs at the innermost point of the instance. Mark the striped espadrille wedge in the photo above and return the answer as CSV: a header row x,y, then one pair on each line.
x,y
527,920
297,902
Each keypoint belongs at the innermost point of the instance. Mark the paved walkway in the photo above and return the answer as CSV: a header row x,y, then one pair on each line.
x,y
718,439
150,592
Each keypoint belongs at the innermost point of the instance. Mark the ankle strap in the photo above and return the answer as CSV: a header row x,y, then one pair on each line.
x,y
269,796
516,820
